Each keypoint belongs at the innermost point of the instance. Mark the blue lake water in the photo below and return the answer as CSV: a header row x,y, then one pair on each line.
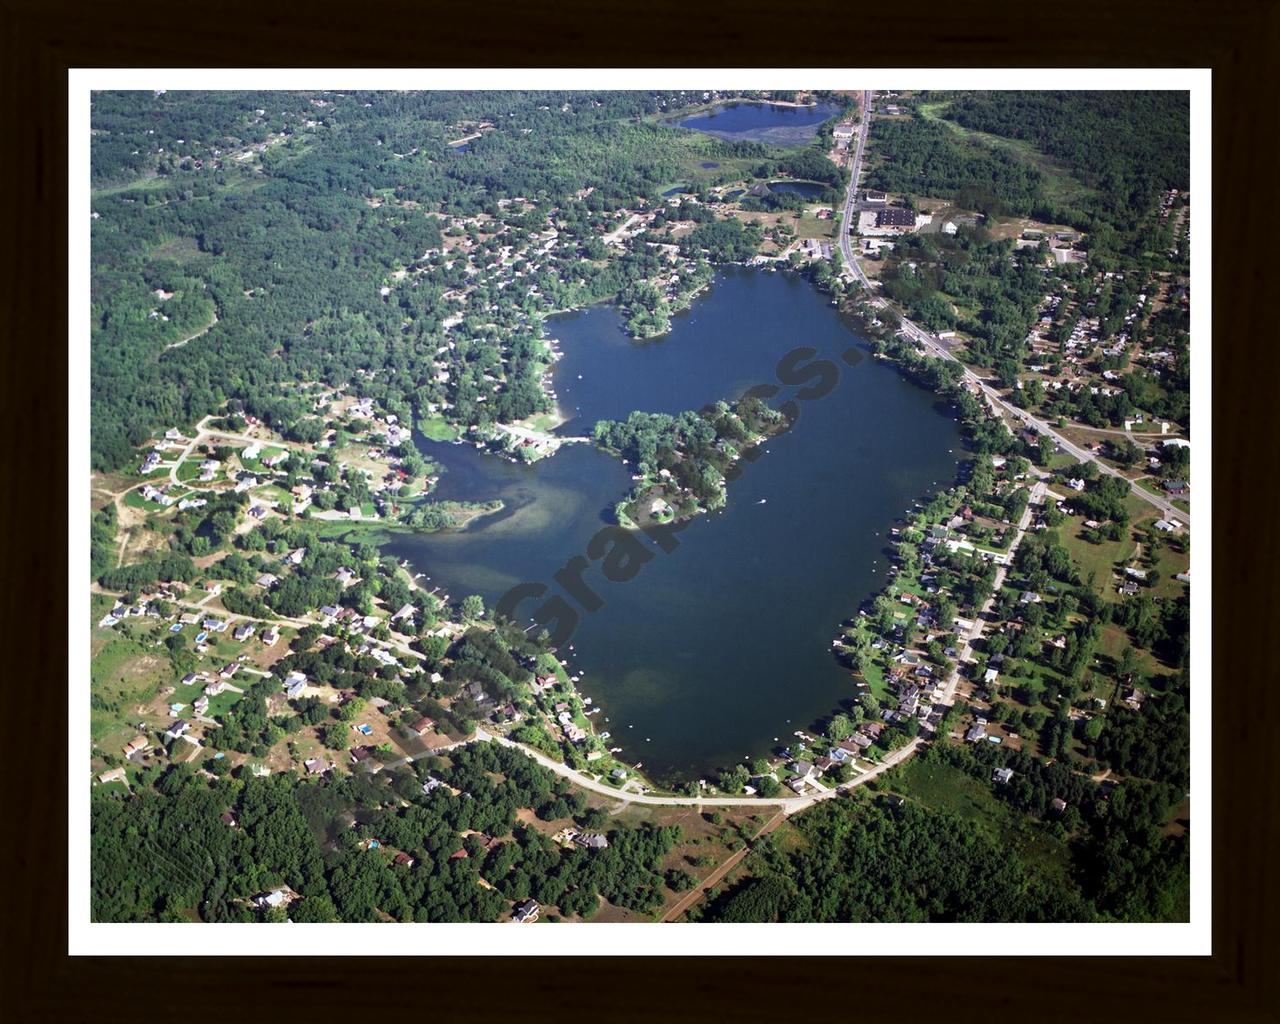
x,y
762,122
723,644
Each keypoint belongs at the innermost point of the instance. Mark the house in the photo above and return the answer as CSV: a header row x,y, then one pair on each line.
x,y
1076,483
267,580
271,635
591,842
1002,776
405,611
844,130
422,726
803,768
872,195
360,754
1058,805
316,765
990,675
201,705
526,912
178,729
136,746
1029,597
1164,526
403,860
244,631
1134,698
228,819
114,775
976,734
1176,488
274,898
296,556
345,576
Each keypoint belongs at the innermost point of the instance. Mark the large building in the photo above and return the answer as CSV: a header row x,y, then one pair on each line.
x,y
893,217
872,195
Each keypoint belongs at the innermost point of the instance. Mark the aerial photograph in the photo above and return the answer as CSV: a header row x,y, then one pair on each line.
x,y
543,506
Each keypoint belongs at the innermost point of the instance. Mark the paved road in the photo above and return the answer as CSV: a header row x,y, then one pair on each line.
x,y
789,804
933,345
965,653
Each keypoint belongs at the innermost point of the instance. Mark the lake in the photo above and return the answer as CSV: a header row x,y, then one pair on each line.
x,y
723,644
762,122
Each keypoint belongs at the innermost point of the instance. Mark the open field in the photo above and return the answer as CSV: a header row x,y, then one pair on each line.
x,y
1060,185
940,787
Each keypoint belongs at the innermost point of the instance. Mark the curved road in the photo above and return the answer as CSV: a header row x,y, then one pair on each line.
x,y
789,804
934,346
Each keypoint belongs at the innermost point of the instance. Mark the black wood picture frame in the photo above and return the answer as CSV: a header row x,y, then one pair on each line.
x,y
1237,39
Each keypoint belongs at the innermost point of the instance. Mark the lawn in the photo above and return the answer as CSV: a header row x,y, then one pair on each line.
x,y
435,428
189,470
134,499
812,227
874,675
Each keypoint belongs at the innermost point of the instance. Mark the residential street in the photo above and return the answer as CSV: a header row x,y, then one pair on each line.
x,y
965,654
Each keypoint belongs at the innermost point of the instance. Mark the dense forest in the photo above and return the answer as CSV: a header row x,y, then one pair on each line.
x,y
169,854
880,858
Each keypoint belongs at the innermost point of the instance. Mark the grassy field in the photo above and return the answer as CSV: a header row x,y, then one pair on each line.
x,y
812,227
1097,559
151,184
179,250
941,787
123,673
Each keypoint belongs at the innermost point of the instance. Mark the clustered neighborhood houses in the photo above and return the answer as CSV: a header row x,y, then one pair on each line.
x,y
382,636
1070,349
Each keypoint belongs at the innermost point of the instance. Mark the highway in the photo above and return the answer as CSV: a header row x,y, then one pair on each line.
x,y
933,345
